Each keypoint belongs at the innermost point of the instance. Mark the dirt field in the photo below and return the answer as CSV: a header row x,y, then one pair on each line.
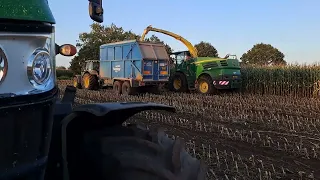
x,y
239,137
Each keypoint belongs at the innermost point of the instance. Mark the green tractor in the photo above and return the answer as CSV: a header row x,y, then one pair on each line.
x,y
207,75
44,137
88,78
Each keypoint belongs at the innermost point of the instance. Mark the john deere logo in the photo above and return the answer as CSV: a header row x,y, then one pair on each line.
x,y
3,65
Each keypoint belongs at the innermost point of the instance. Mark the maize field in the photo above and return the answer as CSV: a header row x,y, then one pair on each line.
x,y
294,81
244,136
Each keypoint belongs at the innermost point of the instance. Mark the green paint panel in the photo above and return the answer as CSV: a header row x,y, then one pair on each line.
x,y
29,10
209,58
216,72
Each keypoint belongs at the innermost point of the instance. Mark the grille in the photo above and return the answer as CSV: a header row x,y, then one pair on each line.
x,y
223,63
210,65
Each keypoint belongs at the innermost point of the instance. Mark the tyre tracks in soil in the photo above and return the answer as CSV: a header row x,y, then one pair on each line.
x,y
249,123
267,155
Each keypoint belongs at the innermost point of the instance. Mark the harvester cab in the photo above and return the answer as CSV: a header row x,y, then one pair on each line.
x,y
180,56
182,61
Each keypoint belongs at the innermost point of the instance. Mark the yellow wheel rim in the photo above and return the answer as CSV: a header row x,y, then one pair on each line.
x,y
86,81
203,87
177,84
75,83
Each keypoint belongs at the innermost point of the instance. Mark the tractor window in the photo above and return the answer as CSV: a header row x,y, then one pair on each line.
x,y
96,65
89,66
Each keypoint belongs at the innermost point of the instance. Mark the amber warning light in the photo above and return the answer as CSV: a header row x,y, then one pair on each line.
x,y
67,50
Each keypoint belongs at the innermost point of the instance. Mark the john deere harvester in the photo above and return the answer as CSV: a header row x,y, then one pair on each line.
x,y
207,75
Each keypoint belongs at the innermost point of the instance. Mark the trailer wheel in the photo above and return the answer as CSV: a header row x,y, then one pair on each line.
x,y
134,152
117,87
127,89
89,82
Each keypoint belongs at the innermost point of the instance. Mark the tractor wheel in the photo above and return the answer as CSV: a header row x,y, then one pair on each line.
x,y
75,83
117,87
205,85
133,152
89,82
127,89
178,83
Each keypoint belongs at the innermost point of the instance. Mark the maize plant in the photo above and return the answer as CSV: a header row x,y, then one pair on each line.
x,y
248,136
293,80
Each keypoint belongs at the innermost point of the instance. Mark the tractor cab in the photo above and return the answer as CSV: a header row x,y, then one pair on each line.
x,y
92,65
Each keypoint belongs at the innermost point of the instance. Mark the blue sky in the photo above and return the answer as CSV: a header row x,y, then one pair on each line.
x,y
232,26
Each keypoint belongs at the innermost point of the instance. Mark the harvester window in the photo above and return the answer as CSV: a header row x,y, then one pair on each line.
x,y
118,53
180,58
111,53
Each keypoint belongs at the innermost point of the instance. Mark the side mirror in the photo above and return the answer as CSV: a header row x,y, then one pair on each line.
x,y
66,50
96,10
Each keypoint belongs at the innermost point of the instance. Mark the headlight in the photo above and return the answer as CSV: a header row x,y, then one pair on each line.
x,y
31,59
39,67
3,65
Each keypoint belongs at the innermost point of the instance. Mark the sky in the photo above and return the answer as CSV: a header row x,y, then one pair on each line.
x,y
231,26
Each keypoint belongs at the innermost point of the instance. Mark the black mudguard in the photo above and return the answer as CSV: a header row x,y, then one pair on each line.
x,y
117,113
96,116
89,117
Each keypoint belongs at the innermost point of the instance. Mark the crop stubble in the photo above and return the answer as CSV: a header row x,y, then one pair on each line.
x,y
239,137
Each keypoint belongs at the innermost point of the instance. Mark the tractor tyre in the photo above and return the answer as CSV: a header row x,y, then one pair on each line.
x,y
178,83
134,152
89,82
117,87
75,83
205,85
127,89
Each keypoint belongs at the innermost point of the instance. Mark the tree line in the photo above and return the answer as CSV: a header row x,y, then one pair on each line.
x,y
89,43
